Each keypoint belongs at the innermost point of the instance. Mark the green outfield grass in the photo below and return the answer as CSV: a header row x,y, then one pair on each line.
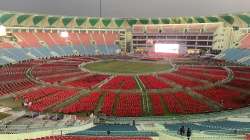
x,y
3,115
116,66
12,103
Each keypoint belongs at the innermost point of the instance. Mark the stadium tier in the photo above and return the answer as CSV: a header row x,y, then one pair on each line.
x,y
187,90
96,78
39,39
236,55
34,45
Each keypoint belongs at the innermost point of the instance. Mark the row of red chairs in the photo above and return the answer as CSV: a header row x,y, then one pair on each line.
x,y
157,106
39,93
87,104
35,39
61,77
13,77
214,71
181,80
129,104
172,104
201,75
13,69
92,138
48,101
88,81
190,105
108,103
239,74
151,82
120,82
239,83
51,70
229,99
27,39
241,68
181,103
15,86
60,64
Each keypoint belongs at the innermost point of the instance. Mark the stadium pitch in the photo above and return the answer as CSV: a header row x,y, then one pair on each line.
x,y
127,67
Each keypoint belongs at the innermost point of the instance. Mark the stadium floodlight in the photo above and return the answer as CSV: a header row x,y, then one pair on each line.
x,y
2,30
64,34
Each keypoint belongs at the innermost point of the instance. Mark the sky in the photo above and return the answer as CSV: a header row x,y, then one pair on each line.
x,y
127,8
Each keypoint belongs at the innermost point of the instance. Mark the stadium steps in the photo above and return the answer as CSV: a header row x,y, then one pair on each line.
x,y
115,104
98,85
176,87
31,77
99,104
105,81
147,108
165,107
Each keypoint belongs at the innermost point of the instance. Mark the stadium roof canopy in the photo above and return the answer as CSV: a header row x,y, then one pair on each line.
x,y
127,8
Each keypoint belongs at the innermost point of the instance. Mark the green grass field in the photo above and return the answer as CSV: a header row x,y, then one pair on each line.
x,y
3,115
10,102
116,66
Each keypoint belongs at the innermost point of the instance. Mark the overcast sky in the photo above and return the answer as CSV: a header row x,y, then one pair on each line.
x,y
127,8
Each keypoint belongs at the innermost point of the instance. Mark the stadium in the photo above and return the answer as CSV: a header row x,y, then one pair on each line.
x,y
134,78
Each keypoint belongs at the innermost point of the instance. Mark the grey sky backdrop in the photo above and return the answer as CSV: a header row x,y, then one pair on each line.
x,y
127,8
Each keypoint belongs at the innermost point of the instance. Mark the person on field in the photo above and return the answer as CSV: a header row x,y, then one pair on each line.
x,y
189,133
